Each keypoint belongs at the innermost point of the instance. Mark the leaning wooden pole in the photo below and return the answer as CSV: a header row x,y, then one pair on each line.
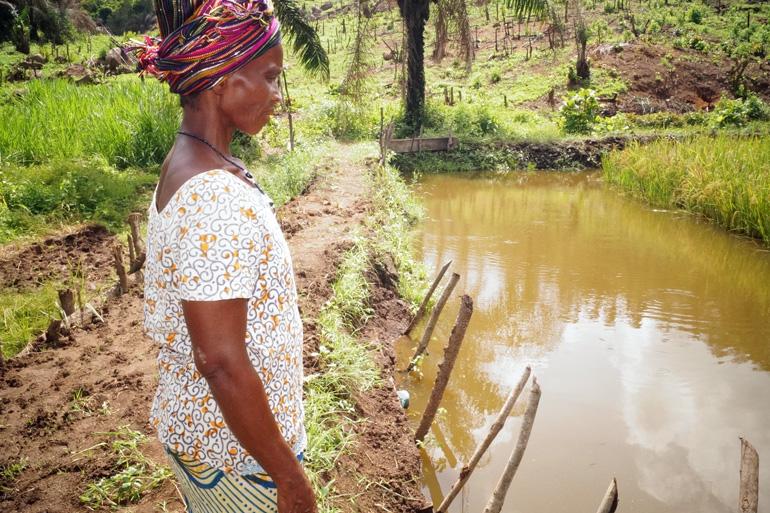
x,y
423,345
421,310
749,490
610,500
495,503
497,426
446,366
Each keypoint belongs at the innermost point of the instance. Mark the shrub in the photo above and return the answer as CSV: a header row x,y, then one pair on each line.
x,y
695,15
579,112
740,111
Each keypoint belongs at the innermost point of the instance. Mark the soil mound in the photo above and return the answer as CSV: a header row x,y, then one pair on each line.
x,y
85,254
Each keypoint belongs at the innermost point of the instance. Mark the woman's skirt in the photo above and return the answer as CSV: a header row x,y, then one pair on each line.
x,y
210,490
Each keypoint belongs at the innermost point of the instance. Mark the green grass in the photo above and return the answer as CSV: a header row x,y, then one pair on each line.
x,y
24,314
723,178
126,121
133,474
10,472
32,198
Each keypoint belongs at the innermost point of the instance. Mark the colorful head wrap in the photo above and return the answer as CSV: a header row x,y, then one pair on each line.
x,y
201,44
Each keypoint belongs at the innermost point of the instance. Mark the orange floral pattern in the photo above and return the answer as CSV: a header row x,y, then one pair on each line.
x,y
217,239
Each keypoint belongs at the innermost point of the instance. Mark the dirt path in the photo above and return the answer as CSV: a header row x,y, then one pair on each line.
x,y
54,403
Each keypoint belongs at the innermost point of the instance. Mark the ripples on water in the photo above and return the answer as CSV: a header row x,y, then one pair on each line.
x,y
649,332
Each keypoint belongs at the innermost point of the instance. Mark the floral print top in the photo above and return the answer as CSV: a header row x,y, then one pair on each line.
x,y
217,238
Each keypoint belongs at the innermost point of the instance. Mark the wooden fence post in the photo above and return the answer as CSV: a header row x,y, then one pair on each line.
x,y
434,319
610,501
495,503
117,253
748,498
446,366
421,310
496,427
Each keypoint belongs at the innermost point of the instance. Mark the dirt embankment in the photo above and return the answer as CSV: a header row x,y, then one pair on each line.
x,y
57,402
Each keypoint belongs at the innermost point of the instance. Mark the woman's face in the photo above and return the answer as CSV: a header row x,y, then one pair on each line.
x,y
249,95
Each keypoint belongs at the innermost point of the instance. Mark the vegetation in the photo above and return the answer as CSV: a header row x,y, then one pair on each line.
x,y
723,178
133,474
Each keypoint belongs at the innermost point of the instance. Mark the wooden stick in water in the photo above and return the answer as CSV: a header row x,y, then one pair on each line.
x,y
446,366
497,426
749,490
610,501
495,503
421,310
434,319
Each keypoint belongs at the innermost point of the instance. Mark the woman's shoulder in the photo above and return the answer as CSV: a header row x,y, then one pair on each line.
x,y
213,186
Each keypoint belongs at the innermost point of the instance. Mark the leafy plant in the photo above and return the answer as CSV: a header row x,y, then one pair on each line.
x,y
134,474
579,112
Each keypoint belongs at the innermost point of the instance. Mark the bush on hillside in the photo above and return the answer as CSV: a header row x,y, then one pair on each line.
x,y
580,112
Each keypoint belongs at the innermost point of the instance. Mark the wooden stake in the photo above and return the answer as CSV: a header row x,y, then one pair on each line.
x,y
131,250
495,503
133,222
497,426
748,497
446,366
117,252
610,501
287,106
421,310
67,301
423,345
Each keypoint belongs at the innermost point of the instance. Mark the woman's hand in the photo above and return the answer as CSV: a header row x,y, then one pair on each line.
x,y
295,494
217,331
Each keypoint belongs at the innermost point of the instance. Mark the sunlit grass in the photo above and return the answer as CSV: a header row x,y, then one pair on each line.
x,y
24,314
126,121
723,178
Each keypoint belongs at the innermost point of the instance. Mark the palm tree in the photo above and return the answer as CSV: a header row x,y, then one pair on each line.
x,y
415,14
303,38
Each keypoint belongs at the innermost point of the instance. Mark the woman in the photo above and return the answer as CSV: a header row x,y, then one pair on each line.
x,y
220,298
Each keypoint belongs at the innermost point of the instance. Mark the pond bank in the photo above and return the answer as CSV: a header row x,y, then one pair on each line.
x,y
512,155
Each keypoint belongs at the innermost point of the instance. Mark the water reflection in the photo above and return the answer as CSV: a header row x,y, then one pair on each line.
x,y
648,330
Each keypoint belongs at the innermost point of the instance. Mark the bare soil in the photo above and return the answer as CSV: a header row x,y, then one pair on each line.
x,y
113,366
671,80
83,253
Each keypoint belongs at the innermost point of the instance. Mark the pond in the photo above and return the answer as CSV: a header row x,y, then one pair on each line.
x,y
648,331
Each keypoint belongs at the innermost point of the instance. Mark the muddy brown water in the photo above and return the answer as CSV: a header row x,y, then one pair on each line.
x,y
648,331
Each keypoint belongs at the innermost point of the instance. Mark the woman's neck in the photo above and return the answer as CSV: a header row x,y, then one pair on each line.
x,y
212,129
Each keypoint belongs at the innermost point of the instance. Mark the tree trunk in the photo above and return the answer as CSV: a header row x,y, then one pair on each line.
x,y
439,51
748,498
415,14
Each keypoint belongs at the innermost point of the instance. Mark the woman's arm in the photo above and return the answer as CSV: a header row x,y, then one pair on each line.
x,y
217,330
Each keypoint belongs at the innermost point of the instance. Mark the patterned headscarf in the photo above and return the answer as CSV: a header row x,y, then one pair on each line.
x,y
202,42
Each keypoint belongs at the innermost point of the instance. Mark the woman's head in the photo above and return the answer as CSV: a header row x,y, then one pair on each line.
x,y
230,49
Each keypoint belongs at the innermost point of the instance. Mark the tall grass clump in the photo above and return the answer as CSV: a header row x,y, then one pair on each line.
x,y
723,178
127,122
67,191
284,176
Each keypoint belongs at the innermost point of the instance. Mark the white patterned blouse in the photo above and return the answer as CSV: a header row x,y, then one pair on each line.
x,y
217,238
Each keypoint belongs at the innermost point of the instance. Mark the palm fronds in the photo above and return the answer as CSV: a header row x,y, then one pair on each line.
x,y
528,7
303,38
